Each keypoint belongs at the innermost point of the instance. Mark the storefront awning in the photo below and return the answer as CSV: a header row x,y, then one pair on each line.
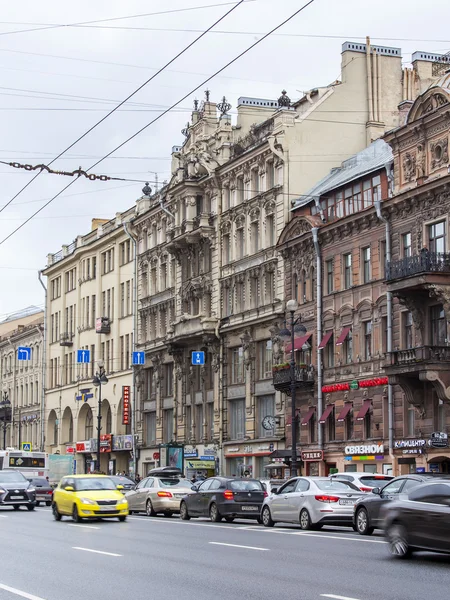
x,y
309,414
281,454
326,413
344,412
343,335
298,343
325,340
364,410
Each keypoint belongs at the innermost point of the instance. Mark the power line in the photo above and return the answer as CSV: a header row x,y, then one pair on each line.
x,y
185,49
165,112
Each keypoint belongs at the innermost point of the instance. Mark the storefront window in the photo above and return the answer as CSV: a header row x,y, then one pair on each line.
x,y
236,467
261,472
350,468
370,468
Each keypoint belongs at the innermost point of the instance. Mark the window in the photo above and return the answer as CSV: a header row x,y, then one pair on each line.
x,y
265,408
329,353
347,348
240,243
168,379
237,365
254,292
210,421
237,419
366,265
270,230
55,287
94,267
406,245
163,276
376,188
441,411
368,422
329,275
265,359
125,252
349,426
108,261
226,198
254,234
411,421
225,249
168,425
199,422
89,426
367,340
71,279
150,428
347,271
367,193
436,237
312,428
438,326
407,330
331,426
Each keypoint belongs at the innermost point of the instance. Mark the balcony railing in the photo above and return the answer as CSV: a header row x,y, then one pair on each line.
x,y
66,339
421,354
303,377
425,262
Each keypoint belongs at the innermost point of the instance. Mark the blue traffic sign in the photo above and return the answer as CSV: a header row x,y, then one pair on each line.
x,y
138,358
84,396
83,356
26,446
198,358
23,353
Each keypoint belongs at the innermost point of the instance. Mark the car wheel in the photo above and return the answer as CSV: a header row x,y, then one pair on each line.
x,y
184,514
214,514
31,506
48,503
362,522
266,517
229,519
149,509
16,506
305,519
398,541
56,514
122,518
75,516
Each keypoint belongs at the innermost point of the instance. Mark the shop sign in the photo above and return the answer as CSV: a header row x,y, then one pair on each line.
x,y
412,451
190,452
354,385
155,455
211,451
84,446
70,449
312,456
121,442
438,439
233,449
105,442
369,449
125,405
247,449
207,457
264,448
400,444
200,464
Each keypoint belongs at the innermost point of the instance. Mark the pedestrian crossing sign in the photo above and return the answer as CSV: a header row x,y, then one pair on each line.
x,y
26,446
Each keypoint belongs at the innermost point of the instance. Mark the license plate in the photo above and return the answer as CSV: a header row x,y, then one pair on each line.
x,y
253,508
16,497
346,502
107,508
179,495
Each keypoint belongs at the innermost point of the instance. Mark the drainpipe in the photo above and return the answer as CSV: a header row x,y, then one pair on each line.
x,y
43,366
135,331
389,330
315,234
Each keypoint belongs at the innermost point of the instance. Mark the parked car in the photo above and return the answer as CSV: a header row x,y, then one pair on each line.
x,y
161,493
421,521
44,491
126,483
367,511
16,490
312,502
87,497
364,481
224,498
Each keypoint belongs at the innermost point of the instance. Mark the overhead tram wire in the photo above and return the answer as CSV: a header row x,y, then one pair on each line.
x,y
236,58
112,111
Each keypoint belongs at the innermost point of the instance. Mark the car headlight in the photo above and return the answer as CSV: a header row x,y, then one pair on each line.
x,y
87,501
123,501
31,489
2,491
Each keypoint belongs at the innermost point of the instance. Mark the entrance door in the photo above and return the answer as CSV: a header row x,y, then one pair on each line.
x,y
328,467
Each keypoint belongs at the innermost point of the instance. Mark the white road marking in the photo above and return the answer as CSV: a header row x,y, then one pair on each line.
x,y
340,537
17,592
96,551
84,526
337,597
3,516
179,522
238,546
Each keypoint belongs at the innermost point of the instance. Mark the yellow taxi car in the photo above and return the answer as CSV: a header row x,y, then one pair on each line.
x,y
89,497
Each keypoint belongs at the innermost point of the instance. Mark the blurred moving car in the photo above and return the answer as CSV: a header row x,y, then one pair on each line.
x,y
224,497
16,490
44,491
367,510
161,493
312,502
126,483
364,481
421,521
89,496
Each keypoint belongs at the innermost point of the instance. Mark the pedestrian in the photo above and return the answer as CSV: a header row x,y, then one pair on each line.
x,y
194,479
138,478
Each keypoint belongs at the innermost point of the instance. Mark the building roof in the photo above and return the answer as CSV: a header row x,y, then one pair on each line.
x,y
372,158
21,314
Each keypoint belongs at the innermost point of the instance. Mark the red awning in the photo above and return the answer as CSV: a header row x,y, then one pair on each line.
x,y
344,412
344,334
364,410
325,339
327,412
309,414
298,343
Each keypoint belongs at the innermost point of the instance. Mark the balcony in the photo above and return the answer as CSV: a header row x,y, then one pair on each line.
x,y
422,354
419,270
189,329
66,339
304,378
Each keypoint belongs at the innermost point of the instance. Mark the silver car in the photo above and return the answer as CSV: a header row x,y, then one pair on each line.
x,y
155,495
311,502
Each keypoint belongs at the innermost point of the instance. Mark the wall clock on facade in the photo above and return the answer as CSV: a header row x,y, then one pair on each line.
x,y
268,422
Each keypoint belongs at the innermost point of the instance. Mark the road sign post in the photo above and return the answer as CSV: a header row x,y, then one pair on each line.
x,y
83,356
198,358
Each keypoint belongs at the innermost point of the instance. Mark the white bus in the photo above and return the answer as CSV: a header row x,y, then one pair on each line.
x,y
31,464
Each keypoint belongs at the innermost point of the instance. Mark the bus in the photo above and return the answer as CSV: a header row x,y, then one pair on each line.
x,y
31,464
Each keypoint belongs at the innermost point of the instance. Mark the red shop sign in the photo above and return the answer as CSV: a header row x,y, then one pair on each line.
x,y
126,405
105,442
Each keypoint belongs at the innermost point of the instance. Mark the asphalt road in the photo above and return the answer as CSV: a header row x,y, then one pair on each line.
x,y
150,558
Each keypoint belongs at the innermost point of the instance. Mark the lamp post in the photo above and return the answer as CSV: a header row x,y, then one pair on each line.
x,y
286,334
99,380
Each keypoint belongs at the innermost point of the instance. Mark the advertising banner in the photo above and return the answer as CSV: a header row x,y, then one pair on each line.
x,y
125,405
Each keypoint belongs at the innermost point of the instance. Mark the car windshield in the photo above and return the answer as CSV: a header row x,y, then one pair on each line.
x,y
337,486
375,481
122,480
184,483
86,484
246,486
12,476
41,482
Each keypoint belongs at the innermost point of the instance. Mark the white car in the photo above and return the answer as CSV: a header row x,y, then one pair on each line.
x,y
366,482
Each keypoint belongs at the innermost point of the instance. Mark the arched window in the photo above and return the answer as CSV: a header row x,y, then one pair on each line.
x,y
313,283
55,432
304,287
295,286
70,431
109,421
89,426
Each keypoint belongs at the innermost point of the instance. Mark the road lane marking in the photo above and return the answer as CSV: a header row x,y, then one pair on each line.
x,y
339,537
238,546
3,516
95,551
84,526
17,592
337,597
212,525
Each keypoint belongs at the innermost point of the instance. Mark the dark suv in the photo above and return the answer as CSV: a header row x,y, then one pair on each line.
x,y
16,490
224,497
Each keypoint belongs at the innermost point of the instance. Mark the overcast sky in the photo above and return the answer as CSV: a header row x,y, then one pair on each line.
x,y
42,71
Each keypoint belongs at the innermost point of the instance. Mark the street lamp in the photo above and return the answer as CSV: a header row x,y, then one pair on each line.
x,y
286,334
99,380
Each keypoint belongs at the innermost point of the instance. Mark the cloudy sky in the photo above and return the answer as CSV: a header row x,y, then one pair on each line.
x,y
56,82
